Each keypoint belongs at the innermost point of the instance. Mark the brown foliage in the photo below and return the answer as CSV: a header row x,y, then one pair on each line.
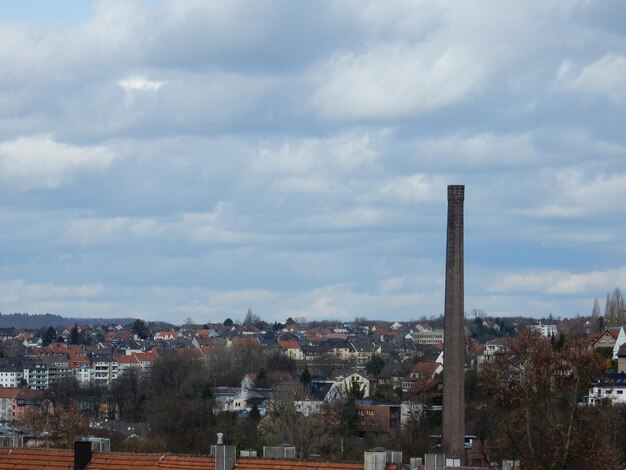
x,y
59,426
285,424
539,385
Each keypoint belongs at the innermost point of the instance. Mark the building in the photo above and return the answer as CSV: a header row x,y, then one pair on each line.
x,y
544,330
610,387
105,369
377,418
36,374
11,373
15,402
429,337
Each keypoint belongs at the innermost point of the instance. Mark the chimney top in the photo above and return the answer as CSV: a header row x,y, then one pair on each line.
x,y
456,192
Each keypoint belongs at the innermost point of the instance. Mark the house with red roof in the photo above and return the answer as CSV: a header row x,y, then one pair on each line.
x,y
166,335
15,402
290,348
81,368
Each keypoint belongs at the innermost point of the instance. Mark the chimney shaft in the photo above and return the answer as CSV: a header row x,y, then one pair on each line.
x,y
454,331
82,454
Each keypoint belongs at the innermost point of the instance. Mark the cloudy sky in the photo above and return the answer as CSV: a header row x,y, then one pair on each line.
x,y
193,158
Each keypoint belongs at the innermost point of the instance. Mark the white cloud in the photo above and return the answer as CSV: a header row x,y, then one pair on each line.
x,y
41,162
330,155
606,76
558,282
361,217
195,227
140,83
486,150
392,284
419,188
579,193
395,80
17,291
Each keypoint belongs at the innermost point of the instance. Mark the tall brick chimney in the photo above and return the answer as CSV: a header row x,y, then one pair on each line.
x,y
454,333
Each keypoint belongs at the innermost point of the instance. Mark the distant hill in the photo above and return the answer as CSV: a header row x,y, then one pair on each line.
x,y
34,322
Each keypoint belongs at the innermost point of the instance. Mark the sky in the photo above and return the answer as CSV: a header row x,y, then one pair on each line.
x,y
195,158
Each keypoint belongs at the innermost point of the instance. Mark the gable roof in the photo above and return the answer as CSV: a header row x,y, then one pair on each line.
x,y
36,459
425,369
63,459
271,464
288,344
124,461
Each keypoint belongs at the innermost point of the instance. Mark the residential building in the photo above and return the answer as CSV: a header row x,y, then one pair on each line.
x,y
15,402
610,387
429,337
607,339
377,418
36,374
291,349
105,369
11,373
545,330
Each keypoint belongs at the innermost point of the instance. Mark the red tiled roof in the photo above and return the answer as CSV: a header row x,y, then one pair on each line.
x,y
61,459
149,356
36,459
30,394
288,344
120,461
122,359
270,464
425,369
8,392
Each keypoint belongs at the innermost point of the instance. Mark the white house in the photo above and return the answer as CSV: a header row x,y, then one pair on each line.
x,y
611,387
545,330
621,339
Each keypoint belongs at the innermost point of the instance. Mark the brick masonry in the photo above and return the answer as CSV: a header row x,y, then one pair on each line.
x,y
453,391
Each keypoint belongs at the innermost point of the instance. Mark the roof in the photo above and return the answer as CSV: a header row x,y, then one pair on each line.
x,y
36,459
271,464
425,369
288,344
123,461
61,459
121,359
8,392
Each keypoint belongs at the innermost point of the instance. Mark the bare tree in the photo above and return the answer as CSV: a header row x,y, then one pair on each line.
x,y
64,424
286,425
540,384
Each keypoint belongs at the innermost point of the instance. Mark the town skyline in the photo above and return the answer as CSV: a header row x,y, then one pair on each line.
x,y
164,160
